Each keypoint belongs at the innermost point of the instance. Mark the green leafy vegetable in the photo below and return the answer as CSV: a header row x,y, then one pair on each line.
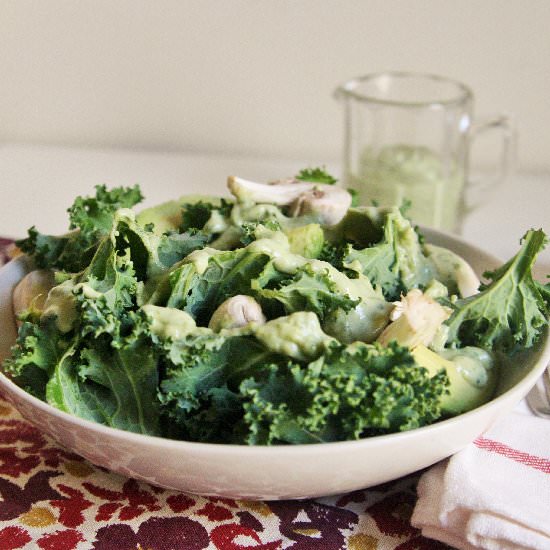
x,y
511,311
90,219
226,274
37,351
250,229
352,392
200,391
234,390
354,196
308,290
396,263
123,340
316,175
114,383
334,253
195,215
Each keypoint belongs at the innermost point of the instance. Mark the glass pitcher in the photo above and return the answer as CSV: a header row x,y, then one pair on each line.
x,y
407,140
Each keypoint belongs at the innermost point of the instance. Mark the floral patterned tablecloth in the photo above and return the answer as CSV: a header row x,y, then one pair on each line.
x,y
52,499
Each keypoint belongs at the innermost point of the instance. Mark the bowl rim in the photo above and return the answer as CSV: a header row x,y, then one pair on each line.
x,y
542,350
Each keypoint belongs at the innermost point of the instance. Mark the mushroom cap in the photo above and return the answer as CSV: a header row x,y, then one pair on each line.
x,y
237,311
328,203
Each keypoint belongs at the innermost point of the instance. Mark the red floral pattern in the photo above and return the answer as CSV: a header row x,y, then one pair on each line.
x,y
52,499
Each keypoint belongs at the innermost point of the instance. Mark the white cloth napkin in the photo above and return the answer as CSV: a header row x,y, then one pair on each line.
x,y
495,493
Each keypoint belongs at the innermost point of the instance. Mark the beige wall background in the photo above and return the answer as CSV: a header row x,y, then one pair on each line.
x,y
255,76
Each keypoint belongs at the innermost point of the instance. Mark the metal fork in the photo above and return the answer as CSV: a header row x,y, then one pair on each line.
x,y
538,398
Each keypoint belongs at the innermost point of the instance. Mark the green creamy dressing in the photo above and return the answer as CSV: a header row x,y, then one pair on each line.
x,y
200,258
364,323
392,174
216,223
61,303
452,270
473,379
473,364
277,247
168,322
299,335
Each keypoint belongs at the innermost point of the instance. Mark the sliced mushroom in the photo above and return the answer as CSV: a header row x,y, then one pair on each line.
x,y
236,312
327,202
32,291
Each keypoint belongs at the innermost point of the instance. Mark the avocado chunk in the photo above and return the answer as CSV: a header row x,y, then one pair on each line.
x,y
472,375
306,240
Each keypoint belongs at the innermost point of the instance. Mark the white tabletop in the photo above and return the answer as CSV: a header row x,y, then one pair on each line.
x,y
38,184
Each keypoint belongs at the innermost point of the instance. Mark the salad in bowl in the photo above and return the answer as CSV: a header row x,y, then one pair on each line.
x,y
282,315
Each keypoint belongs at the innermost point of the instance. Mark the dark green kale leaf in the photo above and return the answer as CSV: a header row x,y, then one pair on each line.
x,y
316,175
195,215
334,253
354,196
173,247
397,262
510,312
351,392
113,382
90,220
306,290
544,290
227,274
35,355
250,229
232,389
200,390
95,214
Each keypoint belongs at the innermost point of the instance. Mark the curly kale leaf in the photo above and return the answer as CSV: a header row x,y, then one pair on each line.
x,y
91,219
334,253
227,274
95,214
232,389
109,373
103,365
252,230
509,313
397,262
544,290
316,175
351,392
200,390
173,247
306,290
195,215
149,256
110,382
34,356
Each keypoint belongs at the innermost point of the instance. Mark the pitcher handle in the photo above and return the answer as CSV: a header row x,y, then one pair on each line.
x,y
507,158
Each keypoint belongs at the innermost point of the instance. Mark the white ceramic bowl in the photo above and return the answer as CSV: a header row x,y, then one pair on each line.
x,y
281,472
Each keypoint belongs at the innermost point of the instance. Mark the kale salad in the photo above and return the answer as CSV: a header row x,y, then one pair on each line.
x,y
281,315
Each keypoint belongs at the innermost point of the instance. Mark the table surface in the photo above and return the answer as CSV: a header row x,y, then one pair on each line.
x,y
54,499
